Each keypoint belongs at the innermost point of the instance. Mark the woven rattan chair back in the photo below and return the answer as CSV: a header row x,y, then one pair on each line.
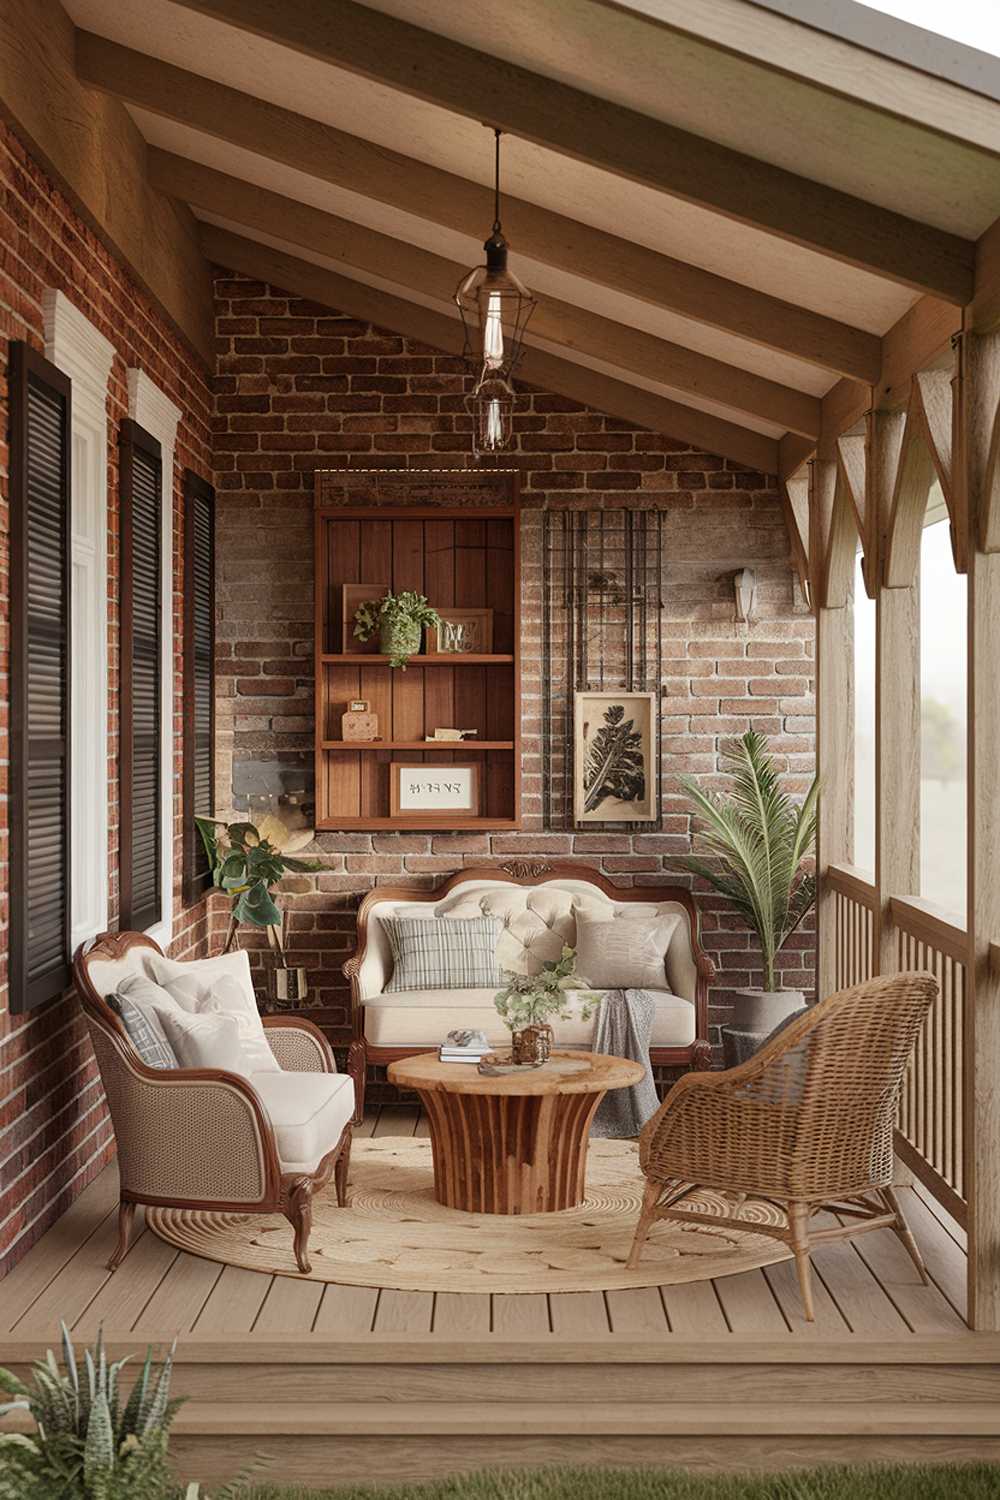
x,y
811,1116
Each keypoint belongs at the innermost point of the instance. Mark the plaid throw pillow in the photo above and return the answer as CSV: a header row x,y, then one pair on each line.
x,y
149,1042
443,953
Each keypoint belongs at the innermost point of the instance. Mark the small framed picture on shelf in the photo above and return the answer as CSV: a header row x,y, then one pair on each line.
x,y
461,632
614,757
428,791
352,596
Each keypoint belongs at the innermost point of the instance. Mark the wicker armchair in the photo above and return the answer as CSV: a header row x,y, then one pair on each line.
x,y
202,1137
807,1123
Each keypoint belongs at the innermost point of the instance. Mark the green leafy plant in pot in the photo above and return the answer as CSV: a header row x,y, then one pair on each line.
x,y
400,620
758,842
249,864
528,1001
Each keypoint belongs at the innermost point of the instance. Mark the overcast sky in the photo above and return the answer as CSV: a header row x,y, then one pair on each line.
x,y
974,22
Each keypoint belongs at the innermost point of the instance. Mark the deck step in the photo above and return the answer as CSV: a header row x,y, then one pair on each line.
x,y
260,1419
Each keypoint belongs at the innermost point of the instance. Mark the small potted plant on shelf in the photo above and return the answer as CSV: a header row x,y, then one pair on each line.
x,y
759,841
528,1001
400,620
248,862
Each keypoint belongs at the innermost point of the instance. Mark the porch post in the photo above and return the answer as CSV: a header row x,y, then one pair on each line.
x,y
897,701
834,722
980,363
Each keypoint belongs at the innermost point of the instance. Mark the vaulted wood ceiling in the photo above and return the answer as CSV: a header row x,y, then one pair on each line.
x,y
734,222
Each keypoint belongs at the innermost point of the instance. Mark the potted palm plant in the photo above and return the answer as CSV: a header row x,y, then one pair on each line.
x,y
758,842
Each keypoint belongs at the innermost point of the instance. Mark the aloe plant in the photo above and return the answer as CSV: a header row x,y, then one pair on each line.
x,y
88,1443
759,840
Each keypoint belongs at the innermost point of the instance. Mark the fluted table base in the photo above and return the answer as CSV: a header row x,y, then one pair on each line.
x,y
509,1154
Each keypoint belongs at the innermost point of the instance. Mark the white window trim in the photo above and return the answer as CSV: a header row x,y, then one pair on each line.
x,y
74,346
154,411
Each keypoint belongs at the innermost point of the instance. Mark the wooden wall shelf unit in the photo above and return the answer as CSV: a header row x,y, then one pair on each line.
x,y
454,535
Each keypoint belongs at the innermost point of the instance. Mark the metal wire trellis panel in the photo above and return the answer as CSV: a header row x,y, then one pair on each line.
x,y
602,629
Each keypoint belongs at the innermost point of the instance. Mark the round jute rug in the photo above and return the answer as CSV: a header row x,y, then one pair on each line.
x,y
395,1234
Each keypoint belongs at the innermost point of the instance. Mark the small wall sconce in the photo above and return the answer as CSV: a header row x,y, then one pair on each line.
x,y
745,591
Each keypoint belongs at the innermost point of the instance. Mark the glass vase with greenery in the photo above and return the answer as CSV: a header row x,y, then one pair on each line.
x,y
756,841
527,1003
400,620
249,865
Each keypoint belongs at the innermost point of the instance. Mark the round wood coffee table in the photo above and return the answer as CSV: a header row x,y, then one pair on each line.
x,y
516,1144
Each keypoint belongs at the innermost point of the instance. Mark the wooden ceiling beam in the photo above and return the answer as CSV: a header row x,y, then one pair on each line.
x,y
784,46
613,138
921,339
617,398
333,156
628,349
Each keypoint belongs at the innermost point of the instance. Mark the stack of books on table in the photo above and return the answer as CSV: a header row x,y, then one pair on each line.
x,y
464,1047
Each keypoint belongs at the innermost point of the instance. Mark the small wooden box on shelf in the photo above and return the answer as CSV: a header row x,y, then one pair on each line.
x,y
453,535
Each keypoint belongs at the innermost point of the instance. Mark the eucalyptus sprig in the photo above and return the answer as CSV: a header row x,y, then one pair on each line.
x,y
530,999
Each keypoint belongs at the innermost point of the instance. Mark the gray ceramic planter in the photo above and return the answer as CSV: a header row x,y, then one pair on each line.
x,y
761,1010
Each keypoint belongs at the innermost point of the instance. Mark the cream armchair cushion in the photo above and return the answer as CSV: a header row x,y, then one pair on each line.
x,y
308,1112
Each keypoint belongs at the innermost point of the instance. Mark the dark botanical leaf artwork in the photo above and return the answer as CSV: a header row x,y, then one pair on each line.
x,y
614,765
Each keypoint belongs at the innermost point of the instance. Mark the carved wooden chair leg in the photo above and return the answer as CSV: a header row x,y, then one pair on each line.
x,y
798,1223
891,1201
650,1198
341,1170
126,1218
299,1215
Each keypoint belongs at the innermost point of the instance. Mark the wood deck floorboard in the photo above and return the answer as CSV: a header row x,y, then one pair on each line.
x,y
866,1288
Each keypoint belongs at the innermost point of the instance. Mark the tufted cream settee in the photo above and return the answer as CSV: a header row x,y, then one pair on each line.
x,y
537,905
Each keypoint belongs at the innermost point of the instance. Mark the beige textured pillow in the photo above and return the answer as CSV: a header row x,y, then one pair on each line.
x,y
624,953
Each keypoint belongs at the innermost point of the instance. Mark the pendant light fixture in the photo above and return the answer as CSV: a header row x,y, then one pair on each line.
x,y
495,306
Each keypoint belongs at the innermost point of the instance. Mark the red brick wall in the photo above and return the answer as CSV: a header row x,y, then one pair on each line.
x,y
299,387
55,1135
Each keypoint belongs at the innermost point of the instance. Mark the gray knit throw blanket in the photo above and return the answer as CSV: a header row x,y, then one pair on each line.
x,y
622,1029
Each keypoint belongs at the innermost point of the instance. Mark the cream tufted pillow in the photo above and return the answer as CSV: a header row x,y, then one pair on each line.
x,y
624,952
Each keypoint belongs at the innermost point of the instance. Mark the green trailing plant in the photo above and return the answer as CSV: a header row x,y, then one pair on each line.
x,y
759,840
530,999
613,765
88,1443
399,620
248,866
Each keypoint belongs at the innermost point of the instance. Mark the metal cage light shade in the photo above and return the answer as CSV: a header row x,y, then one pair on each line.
x,y
491,406
494,303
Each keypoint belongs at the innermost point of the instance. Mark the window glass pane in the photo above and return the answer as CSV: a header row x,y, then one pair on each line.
x,y
942,722
864,725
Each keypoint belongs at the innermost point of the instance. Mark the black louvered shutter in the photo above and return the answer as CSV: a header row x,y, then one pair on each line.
x,y
141,641
41,568
199,676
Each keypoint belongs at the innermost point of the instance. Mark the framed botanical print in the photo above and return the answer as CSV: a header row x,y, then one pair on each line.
x,y
614,757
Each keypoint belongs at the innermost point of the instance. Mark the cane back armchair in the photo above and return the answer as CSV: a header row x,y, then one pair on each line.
x,y
203,1137
806,1123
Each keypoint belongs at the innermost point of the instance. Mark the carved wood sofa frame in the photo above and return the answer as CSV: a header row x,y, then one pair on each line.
x,y
696,1055
176,1110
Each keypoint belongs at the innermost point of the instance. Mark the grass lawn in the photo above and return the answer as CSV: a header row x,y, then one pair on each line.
x,y
966,1482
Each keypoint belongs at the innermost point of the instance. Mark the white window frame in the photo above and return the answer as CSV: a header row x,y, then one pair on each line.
x,y
154,411
75,346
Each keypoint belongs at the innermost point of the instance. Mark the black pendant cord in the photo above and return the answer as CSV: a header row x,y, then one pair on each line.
x,y
496,182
